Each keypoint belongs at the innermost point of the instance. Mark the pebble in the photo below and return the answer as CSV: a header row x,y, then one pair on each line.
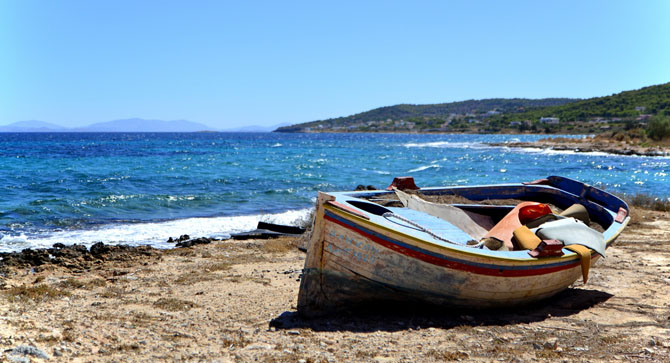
x,y
293,332
551,344
259,346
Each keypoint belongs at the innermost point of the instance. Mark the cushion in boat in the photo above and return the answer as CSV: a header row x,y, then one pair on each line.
x,y
544,219
525,238
585,258
504,229
577,211
572,231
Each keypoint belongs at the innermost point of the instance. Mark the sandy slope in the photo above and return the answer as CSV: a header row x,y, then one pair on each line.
x,y
216,302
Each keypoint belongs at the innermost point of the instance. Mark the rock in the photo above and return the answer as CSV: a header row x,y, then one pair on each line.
x,y
183,237
259,346
170,240
74,257
551,344
99,248
293,332
383,359
537,346
193,242
24,350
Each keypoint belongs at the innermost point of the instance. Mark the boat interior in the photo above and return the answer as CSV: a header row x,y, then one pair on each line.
x,y
491,219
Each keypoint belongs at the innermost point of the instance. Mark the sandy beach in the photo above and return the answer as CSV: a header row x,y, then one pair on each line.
x,y
236,301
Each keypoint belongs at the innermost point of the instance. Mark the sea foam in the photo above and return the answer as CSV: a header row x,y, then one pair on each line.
x,y
153,234
446,144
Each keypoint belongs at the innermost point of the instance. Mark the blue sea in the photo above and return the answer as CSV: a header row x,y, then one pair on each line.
x,y
141,188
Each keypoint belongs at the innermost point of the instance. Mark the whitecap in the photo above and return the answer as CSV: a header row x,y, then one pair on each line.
x,y
422,168
447,144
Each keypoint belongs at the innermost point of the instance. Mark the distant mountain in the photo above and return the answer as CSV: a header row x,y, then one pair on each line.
x,y
256,128
125,125
32,126
432,111
142,125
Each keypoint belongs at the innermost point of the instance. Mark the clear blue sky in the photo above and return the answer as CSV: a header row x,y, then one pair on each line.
x,y
234,63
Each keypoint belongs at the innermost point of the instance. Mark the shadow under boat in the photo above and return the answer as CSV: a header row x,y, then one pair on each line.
x,y
398,316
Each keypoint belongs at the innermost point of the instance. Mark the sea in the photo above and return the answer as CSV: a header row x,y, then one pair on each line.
x,y
142,188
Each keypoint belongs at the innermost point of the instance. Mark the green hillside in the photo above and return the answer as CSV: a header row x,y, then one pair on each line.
x,y
623,110
437,112
655,100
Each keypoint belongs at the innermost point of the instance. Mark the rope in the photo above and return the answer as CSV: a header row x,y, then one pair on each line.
x,y
388,215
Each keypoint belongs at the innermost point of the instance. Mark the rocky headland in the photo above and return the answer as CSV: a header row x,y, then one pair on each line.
x,y
609,144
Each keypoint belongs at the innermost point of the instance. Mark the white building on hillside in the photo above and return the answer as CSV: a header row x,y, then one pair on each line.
x,y
549,120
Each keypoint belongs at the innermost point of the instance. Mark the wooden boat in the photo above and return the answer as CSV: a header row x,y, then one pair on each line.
x,y
358,255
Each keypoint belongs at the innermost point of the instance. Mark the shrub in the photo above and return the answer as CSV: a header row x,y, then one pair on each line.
x,y
659,128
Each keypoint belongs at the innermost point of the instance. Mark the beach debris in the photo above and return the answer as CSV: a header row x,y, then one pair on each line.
x,y
266,230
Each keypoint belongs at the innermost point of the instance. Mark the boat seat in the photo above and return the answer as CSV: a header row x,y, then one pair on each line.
x,y
474,224
434,224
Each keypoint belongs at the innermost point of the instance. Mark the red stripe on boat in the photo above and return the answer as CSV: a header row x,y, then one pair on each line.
x,y
456,265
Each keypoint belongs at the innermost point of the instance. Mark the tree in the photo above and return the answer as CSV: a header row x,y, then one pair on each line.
x,y
659,127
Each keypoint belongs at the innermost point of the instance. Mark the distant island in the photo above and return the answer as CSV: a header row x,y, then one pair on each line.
x,y
130,125
619,112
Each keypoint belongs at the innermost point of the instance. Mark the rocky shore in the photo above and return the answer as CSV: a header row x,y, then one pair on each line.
x,y
236,301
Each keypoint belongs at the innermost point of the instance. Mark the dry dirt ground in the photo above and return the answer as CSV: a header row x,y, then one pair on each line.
x,y
236,301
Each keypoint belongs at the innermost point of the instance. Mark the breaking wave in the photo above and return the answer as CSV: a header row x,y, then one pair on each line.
x,y
153,234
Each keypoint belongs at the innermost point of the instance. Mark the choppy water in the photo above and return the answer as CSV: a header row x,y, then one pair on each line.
x,y
143,188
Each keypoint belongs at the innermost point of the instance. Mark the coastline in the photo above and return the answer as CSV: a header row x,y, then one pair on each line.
x,y
236,301
590,145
